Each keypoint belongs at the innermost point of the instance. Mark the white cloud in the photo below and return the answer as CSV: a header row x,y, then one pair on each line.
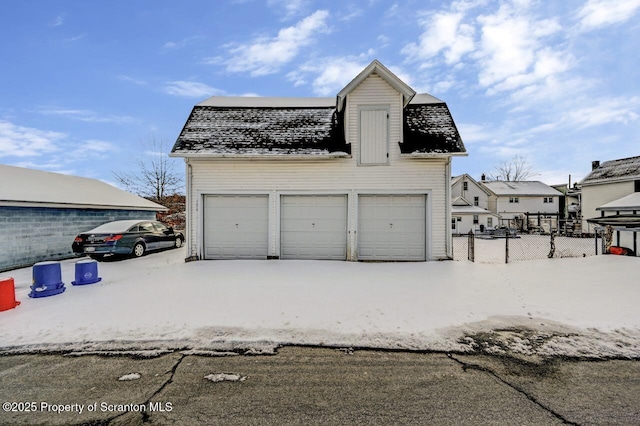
x,y
19,141
132,80
600,13
58,21
88,116
444,32
511,46
605,111
267,55
291,7
328,75
172,45
190,89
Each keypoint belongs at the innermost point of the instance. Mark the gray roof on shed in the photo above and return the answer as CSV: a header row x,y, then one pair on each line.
x,y
614,170
26,187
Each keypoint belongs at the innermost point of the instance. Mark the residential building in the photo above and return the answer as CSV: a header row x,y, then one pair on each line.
x,y
365,175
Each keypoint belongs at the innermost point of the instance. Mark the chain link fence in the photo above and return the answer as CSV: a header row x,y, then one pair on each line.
x,y
511,247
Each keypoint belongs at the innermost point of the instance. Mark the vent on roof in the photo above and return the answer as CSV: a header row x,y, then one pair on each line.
x,y
595,165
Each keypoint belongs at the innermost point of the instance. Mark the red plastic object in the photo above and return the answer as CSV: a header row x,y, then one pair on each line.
x,y
7,294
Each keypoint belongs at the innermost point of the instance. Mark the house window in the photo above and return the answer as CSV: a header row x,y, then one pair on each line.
x,y
465,186
475,219
636,186
548,199
476,201
489,222
514,199
374,135
453,223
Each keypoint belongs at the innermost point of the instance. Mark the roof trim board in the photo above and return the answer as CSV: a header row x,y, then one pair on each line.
x,y
376,67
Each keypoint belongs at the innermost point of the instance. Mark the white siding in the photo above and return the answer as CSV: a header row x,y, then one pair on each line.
x,y
466,222
275,177
593,196
473,191
374,91
525,204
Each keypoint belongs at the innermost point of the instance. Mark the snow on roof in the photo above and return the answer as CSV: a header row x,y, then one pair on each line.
x,y
20,186
458,209
629,202
614,170
230,130
429,128
266,102
425,98
521,188
220,128
302,127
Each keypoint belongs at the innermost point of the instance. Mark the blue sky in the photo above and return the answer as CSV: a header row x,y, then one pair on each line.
x,y
85,82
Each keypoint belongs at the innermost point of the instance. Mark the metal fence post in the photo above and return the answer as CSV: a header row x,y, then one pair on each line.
x,y
506,246
471,247
552,250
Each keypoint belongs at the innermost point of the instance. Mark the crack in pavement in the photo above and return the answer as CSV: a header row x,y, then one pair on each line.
x,y
144,414
467,366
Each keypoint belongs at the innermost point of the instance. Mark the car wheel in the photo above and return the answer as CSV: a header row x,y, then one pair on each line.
x,y
178,242
138,250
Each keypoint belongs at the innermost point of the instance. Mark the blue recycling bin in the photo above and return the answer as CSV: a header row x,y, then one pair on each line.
x,y
47,279
86,272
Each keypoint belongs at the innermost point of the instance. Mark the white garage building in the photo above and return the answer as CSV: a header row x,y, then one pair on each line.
x,y
362,176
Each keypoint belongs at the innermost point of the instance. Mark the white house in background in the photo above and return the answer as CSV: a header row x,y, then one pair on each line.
x,y
365,175
513,201
607,182
469,206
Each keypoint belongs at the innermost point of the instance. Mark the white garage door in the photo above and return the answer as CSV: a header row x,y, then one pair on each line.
x,y
236,226
392,227
313,227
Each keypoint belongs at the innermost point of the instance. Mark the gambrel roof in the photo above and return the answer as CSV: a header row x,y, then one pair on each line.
x,y
262,130
309,127
623,169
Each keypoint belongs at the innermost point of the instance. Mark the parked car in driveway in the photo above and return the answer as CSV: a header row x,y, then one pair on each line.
x,y
126,237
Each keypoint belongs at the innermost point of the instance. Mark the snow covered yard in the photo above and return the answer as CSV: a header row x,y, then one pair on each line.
x,y
585,307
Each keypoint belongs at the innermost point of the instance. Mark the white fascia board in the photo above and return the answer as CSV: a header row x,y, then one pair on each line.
x,y
435,155
77,206
196,156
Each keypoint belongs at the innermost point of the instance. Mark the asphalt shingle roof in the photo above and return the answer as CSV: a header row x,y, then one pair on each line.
x,y
622,169
220,127
261,130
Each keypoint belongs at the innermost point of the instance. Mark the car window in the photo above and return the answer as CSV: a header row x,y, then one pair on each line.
x,y
160,226
147,227
134,229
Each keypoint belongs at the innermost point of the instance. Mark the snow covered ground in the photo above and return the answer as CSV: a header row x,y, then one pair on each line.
x,y
586,307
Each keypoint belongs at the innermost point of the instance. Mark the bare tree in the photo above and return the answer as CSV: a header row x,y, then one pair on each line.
x,y
515,169
155,176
